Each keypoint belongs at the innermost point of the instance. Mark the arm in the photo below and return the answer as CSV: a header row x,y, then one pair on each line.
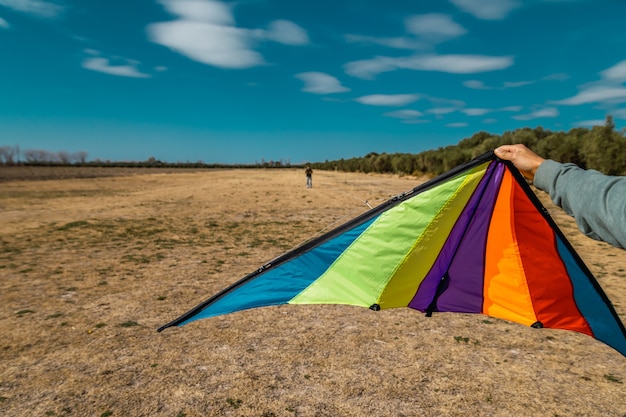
x,y
595,200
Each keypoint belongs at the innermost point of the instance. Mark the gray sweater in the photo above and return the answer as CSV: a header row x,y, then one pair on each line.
x,y
595,200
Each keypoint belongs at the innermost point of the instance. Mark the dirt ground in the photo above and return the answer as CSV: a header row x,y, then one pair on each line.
x,y
91,267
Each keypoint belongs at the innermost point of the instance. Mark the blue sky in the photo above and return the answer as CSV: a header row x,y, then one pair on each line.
x,y
251,80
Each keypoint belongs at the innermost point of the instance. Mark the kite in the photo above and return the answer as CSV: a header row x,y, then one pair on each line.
x,y
473,240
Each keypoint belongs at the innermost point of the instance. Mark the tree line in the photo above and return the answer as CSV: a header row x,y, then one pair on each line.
x,y
601,148
11,155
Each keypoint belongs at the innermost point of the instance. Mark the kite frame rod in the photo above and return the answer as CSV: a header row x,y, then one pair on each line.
x,y
487,156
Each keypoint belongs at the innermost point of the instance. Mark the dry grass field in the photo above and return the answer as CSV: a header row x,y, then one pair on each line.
x,y
91,267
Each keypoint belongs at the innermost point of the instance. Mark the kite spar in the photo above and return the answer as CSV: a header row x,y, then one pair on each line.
x,y
473,240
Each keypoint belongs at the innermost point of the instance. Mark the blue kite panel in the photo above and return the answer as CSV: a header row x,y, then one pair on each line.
x,y
592,306
282,283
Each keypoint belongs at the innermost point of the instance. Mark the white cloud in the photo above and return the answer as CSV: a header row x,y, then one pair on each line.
x,y
487,9
415,121
104,65
457,124
217,45
4,24
599,94
434,26
512,108
397,43
538,114
490,121
479,85
205,31
515,84
616,73
286,32
36,8
476,85
422,33
590,123
437,101
320,83
483,111
455,64
370,68
406,114
388,99
207,11
476,111
609,90
441,110
560,76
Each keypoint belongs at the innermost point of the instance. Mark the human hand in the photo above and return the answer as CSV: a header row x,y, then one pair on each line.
x,y
523,158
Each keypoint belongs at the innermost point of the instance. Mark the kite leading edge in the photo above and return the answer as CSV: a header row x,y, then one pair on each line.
x,y
473,240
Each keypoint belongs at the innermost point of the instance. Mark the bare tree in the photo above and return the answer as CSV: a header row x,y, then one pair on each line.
x,y
80,157
38,156
8,154
41,156
63,157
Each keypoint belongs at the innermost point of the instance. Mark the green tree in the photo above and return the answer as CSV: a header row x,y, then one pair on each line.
x,y
605,149
382,163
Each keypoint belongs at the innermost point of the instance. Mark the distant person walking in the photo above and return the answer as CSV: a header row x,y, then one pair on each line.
x,y
309,176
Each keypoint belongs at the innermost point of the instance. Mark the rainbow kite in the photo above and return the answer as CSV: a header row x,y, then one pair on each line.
x,y
474,240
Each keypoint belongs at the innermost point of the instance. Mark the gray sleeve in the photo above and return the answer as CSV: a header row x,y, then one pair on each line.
x,y
595,200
